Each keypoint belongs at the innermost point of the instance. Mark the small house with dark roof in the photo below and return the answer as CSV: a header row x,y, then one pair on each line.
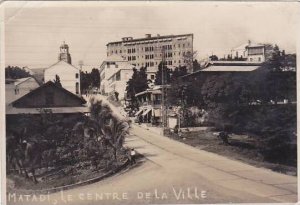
x,y
237,68
16,88
48,96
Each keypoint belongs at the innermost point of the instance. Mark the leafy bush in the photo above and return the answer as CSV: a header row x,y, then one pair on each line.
x,y
75,141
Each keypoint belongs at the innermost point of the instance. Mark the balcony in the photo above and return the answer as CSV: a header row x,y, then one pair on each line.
x,y
155,103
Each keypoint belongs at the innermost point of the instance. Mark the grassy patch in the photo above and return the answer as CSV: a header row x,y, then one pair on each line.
x,y
242,147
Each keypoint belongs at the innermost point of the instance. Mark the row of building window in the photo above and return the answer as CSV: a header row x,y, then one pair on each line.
x,y
108,64
149,56
151,64
131,50
168,55
150,48
255,51
167,47
116,52
131,58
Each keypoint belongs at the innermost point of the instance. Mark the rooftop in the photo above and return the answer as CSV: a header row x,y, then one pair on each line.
x,y
64,45
249,45
21,80
235,63
62,62
15,111
150,38
155,90
45,85
229,68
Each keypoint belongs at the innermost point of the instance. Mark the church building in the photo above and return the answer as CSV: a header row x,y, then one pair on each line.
x,y
68,74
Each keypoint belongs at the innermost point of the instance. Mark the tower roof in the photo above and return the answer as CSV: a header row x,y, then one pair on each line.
x,y
64,45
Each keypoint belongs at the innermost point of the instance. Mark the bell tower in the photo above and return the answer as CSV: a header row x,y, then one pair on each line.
x,y
64,53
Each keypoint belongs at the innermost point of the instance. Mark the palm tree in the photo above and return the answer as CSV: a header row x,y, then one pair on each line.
x,y
103,126
113,130
100,112
115,133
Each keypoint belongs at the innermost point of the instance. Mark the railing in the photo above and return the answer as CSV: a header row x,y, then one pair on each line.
x,y
155,102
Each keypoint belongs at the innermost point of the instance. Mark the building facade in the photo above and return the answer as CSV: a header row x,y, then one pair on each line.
x,y
175,50
250,52
19,87
118,81
150,105
69,75
115,71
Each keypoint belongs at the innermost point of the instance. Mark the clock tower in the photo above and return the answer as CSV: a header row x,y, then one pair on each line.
x,y
64,54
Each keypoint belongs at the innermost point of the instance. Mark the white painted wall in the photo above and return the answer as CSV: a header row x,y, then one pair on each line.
x,y
108,85
120,86
67,74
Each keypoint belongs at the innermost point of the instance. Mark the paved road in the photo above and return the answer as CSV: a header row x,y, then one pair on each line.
x,y
177,173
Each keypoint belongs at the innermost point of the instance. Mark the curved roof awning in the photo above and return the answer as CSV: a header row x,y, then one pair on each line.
x,y
138,113
147,111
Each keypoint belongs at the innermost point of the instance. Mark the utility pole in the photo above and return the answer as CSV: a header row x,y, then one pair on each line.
x,y
163,90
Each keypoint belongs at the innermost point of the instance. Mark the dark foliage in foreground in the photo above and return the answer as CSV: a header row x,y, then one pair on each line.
x,y
70,143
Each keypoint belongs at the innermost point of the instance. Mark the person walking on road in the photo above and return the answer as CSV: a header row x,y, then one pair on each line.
x,y
132,156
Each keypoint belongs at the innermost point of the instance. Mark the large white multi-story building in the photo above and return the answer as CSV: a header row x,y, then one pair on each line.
x,y
115,71
175,50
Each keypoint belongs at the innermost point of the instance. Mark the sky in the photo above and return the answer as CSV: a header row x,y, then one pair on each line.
x,y
34,31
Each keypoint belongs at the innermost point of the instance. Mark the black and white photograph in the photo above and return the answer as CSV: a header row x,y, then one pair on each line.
x,y
149,102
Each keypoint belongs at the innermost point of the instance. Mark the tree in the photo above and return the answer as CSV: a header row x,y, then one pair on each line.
x,y
163,75
220,96
278,81
84,81
112,129
16,72
115,134
213,58
188,59
229,57
57,81
102,126
137,83
88,80
95,78
178,72
275,62
196,66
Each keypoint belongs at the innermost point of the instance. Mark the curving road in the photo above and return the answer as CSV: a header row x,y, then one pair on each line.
x,y
177,173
